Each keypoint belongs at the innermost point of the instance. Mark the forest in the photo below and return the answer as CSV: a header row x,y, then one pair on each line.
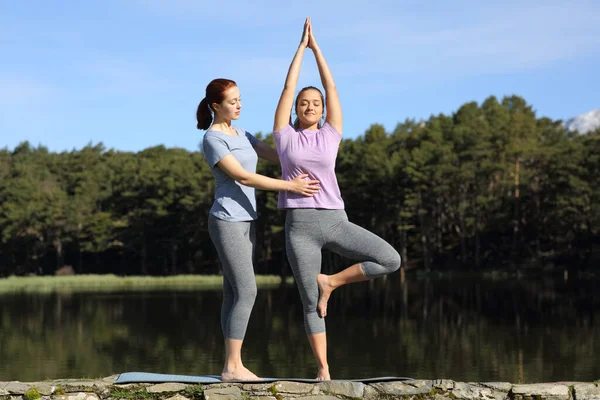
x,y
491,186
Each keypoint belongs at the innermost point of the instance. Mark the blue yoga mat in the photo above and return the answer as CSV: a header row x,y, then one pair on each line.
x,y
147,377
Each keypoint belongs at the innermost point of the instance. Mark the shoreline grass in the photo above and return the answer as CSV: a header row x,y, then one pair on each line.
x,y
111,283
114,283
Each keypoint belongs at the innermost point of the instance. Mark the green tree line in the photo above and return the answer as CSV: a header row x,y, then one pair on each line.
x,y
491,185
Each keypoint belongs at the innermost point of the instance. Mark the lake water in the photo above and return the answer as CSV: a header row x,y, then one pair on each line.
x,y
469,329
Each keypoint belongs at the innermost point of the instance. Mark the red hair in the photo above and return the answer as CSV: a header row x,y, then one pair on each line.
x,y
214,94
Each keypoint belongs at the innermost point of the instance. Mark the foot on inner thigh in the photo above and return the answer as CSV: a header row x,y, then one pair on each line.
x,y
325,289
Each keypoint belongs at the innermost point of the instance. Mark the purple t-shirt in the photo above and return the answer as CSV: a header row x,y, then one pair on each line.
x,y
313,153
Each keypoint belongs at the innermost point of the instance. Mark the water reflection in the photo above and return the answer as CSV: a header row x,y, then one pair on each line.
x,y
472,329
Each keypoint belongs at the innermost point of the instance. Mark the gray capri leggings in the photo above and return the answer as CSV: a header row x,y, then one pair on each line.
x,y
308,231
235,244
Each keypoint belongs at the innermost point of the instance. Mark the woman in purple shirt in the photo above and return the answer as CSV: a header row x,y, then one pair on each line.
x,y
320,222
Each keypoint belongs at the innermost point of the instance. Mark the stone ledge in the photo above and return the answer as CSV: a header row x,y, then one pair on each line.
x,y
439,389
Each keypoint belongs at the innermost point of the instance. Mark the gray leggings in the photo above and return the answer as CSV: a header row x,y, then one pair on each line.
x,y
235,244
309,230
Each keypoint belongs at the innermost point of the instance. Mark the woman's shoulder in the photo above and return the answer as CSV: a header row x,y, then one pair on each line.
x,y
212,134
214,138
286,129
328,128
218,135
241,131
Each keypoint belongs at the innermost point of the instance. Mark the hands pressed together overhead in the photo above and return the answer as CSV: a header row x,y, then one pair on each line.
x,y
308,39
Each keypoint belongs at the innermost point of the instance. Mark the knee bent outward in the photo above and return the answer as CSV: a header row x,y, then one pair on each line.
x,y
385,264
393,261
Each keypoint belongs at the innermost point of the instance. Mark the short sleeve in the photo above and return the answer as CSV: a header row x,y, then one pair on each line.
x,y
331,134
284,133
214,149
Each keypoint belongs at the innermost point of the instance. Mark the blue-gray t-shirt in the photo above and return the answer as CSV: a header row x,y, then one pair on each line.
x,y
233,201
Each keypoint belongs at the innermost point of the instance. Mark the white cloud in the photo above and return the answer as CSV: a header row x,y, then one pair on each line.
x,y
584,123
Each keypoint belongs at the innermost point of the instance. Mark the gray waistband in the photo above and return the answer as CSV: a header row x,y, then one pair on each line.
x,y
314,214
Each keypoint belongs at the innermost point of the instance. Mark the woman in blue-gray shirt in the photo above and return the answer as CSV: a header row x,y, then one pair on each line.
x,y
232,154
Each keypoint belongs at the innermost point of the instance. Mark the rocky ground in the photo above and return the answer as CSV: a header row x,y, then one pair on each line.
x,y
69,389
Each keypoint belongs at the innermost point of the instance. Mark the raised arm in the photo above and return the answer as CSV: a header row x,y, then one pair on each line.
x,y
298,185
286,101
332,102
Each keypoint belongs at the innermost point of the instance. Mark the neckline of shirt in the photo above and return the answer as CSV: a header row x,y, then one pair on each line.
x,y
308,130
225,134
312,130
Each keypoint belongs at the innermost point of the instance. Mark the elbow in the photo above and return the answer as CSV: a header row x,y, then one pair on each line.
x,y
330,87
244,181
243,178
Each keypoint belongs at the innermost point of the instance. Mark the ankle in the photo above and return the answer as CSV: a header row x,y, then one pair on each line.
x,y
233,366
329,280
333,282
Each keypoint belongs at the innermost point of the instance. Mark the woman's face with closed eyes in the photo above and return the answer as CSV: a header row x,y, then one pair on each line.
x,y
309,108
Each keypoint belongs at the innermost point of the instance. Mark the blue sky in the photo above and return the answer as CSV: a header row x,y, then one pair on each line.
x,y
130,73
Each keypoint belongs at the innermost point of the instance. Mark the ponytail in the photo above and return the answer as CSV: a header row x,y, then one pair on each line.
x,y
214,94
203,115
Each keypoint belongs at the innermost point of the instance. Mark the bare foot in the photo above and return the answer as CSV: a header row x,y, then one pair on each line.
x,y
239,374
325,289
323,374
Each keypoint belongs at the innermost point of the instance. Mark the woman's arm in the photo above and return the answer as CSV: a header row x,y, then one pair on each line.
x,y
298,185
334,109
266,152
286,101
